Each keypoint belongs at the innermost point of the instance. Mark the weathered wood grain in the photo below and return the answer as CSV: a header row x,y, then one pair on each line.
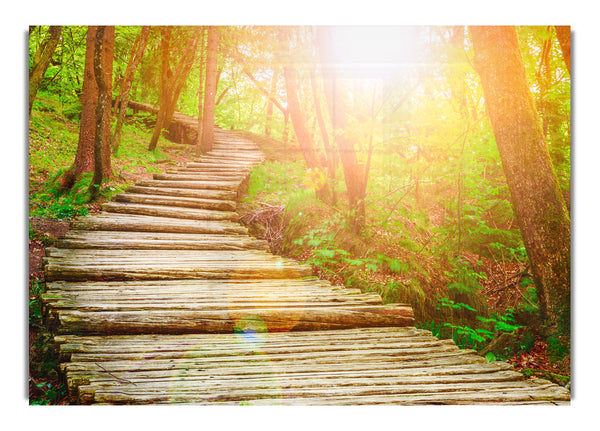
x,y
143,223
178,321
75,239
205,185
185,202
187,176
169,211
226,195
338,367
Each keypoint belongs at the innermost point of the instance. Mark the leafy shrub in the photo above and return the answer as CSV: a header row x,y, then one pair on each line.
x,y
464,279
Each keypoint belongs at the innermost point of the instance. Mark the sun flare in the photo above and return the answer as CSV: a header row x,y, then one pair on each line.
x,y
374,48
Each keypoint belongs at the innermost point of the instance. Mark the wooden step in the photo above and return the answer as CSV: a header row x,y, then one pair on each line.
x,y
178,321
206,185
187,176
226,195
90,264
341,367
176,201
168,211
157,240
143,223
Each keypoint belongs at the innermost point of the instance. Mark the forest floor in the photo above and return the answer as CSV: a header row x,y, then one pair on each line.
x,y
45,384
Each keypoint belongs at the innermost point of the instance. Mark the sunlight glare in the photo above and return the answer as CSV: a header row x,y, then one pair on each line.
x,y
374,49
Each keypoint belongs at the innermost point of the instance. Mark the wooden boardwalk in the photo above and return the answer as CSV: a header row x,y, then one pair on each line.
x,y
163,297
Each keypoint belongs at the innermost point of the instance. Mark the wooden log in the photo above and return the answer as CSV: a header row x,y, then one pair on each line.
x,y
130,222
169,211
200,177
157,240
283,352
224,256
209,162
186,202
217,170
209,270
183,285
125,303
523,397
252,376
208,289
226,195
205,185
227,321
82,364
223,161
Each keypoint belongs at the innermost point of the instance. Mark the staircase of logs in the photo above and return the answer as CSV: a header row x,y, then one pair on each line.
x,y
163,297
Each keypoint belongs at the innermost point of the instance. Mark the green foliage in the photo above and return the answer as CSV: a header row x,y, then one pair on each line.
x,y
464,279
392,265
278,180
490,357
466,336
325,254
448,303
51,203
558,348
433,327
49,393
37,287
502,323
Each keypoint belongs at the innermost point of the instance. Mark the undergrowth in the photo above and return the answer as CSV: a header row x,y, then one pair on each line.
x,y
410,253
53,135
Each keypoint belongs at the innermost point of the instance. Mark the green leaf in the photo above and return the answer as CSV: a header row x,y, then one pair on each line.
x,y
325,253
506,327
490,357
314,242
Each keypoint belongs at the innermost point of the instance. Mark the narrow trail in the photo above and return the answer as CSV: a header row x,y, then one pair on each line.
x,y
163,297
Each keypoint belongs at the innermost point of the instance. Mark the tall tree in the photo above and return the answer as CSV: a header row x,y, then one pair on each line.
x,y
181,74
269,116
101,106
296,114
41,60
329,150
210,90
134,60
201,92
563,33
354,174
84,157
536,199
172,82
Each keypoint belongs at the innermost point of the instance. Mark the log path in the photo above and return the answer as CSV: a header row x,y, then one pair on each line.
x,y
163,297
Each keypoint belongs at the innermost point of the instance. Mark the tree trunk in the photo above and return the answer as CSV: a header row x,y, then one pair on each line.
x,y
296,115
329,150
41,60
180,77
101,106
201,93
536,199
165,75
84,157
210,90
108,47
134,61
563,33
353,172
269,117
